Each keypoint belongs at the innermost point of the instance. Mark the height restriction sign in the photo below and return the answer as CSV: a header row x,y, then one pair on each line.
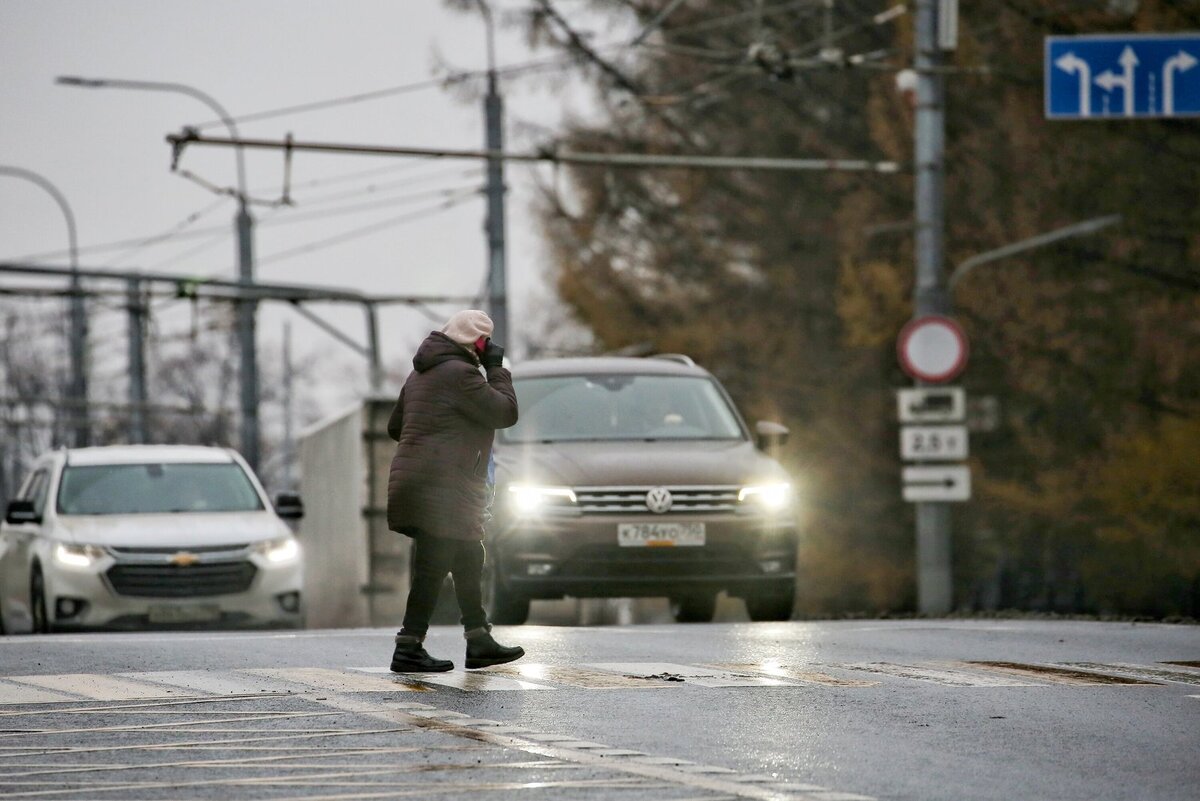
x,y
933,349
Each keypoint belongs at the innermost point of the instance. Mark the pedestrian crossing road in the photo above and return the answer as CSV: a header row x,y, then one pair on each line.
x,y
130,686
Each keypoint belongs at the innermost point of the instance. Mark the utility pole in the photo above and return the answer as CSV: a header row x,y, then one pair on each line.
x,y
137,363
77,388
289,439
935,586
247,309
493,114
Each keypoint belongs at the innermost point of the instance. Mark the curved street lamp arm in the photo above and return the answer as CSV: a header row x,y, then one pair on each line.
x,y
180,88
59,198
1041,240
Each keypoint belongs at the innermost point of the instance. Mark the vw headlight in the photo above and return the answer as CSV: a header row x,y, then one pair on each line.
x,y
284,549
771,497
528,500
79,556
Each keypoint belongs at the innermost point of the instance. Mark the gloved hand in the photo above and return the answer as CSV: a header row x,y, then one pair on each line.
x,y
493,355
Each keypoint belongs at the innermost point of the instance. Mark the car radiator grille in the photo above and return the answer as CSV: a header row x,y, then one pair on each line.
x,y
684,500
173,581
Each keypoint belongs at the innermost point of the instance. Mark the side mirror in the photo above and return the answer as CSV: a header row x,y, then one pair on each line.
x,y
770,435
21,512
289,506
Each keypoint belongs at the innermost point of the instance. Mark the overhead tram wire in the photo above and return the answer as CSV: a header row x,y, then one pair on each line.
x,y
463,76
204,232
368,230
170,233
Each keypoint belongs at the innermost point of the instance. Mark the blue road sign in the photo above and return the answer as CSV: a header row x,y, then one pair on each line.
x,y
1125,75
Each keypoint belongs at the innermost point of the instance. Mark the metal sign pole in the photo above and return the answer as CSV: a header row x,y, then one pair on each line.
x,y
934,569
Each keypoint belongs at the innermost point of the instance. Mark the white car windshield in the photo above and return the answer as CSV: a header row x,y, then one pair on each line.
x,y
122,489
621,407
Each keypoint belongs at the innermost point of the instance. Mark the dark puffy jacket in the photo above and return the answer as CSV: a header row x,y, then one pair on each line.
x,y
444,423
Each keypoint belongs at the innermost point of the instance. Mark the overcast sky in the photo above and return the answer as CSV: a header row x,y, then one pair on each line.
x,y
105,150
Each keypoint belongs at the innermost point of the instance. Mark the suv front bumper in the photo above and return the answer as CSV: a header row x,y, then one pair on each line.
x,y
579,556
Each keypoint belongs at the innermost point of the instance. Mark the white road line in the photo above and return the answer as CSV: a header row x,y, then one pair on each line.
x,y
937,675
800,673
24,694
341,680
214,682
482,681
1056,675
691,674
1149,672
576,677
94,686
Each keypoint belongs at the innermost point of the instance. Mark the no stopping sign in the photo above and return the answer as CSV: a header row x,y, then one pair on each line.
x,y
932,349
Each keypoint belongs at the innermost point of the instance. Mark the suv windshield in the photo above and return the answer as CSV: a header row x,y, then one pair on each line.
x,y
123,489
620,407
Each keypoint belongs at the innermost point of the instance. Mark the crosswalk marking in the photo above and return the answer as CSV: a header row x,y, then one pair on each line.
x,y
801,674
1153,675
691,674
24,694
341,680
213,682
475,681
1056,675
178,685
938,675
94,686
576,677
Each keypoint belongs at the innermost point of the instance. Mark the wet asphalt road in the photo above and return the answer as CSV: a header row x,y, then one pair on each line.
x,y
832,710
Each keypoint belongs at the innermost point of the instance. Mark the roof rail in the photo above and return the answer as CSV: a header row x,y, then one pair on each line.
x,y
675,357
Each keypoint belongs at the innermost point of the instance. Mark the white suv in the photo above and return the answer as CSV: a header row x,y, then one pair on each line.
x,y
147,535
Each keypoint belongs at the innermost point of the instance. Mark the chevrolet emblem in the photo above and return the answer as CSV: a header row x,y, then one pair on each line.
x,y
184,559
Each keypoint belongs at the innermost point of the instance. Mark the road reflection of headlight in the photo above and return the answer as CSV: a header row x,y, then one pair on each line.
x,y
528,500
284,549
80,556
772,497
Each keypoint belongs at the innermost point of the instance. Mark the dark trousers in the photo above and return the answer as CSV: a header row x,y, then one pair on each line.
x,y
433,558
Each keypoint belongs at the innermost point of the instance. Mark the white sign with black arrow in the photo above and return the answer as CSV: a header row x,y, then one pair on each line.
x,y
950,483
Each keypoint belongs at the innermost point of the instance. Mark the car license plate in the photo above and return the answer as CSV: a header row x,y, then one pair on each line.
x,y
659,535
192,613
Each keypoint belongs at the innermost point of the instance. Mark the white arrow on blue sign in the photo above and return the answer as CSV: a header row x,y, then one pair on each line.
x,y
1126,75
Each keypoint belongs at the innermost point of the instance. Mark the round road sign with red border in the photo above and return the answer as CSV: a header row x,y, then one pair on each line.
x,y
933,349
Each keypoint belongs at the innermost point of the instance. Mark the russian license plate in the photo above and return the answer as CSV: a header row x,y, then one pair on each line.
x,y
192,613
659,535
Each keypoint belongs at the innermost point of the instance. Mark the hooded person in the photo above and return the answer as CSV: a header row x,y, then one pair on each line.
x,y
444,423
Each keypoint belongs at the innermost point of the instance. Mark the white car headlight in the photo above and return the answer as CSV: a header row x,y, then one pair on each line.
x,y
70,555
772,497
283,549
529,500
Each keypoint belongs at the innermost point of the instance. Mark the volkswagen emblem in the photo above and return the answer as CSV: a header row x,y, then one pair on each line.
x,y
659,500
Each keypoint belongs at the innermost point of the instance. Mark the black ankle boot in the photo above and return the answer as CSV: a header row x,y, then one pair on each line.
x,y
483,651
410,656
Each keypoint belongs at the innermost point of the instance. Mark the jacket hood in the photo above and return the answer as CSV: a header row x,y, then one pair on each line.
x,y
700,462
438,348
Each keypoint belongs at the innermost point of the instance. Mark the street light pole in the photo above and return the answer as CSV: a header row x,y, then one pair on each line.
x,y
77,389
244,231
935,588
493,114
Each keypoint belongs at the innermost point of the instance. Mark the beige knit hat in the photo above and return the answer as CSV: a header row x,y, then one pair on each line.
x,y
465,327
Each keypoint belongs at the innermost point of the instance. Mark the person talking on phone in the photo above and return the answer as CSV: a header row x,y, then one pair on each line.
x,y
444,424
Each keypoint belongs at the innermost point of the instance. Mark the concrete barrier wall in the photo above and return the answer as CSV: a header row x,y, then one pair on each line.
x,y
333,531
